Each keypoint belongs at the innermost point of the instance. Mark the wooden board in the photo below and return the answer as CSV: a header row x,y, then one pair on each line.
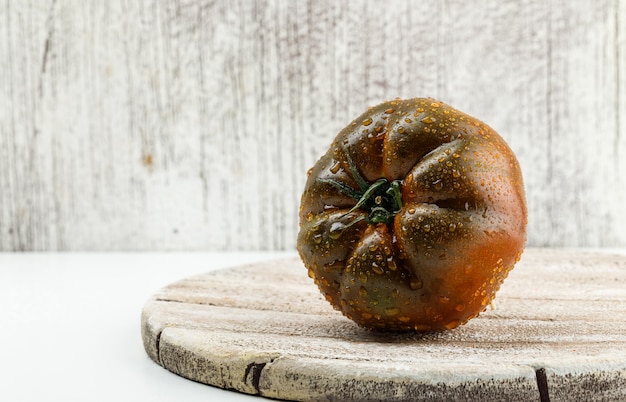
x,y
557,332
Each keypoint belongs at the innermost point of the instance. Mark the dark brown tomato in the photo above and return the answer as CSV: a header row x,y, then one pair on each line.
x,y
413,218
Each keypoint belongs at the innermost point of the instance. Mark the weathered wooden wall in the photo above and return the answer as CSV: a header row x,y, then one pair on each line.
x,y
189,125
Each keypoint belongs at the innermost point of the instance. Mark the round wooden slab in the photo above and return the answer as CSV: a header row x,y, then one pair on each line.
x,y
557,332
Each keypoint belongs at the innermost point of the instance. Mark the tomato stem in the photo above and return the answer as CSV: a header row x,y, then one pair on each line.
x,y
381,199
360,181
368,194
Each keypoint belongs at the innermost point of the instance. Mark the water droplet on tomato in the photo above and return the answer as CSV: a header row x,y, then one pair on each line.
x,y
459,307
452,324
367,121
444,299
428,120
415,283
366,316
392,311
336,229
334,265
363,291
438,185
377,269
316,227
426,228
335,167
317,238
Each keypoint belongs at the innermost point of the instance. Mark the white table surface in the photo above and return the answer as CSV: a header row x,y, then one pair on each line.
x,y
70,326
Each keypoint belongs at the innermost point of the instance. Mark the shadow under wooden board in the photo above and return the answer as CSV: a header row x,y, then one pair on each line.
x,y
557,332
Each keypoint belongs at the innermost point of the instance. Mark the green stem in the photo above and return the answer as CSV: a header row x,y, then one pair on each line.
x,y
396,193
360,181
344,189
380,199
368,194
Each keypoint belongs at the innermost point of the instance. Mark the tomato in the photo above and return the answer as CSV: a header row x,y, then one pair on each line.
x,y
413,218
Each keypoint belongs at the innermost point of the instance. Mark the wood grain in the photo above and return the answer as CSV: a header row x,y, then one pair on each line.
x,y
557,333
190,125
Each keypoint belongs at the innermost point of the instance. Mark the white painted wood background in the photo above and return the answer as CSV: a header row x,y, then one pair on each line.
x,y
189,125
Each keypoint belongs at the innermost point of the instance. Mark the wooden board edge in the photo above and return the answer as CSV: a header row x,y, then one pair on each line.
x,y
277,376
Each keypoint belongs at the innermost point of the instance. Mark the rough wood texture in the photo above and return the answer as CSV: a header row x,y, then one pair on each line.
x,y
558,333
190,124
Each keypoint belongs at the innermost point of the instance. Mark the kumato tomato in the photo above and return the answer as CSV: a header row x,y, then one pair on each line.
x,y
413,218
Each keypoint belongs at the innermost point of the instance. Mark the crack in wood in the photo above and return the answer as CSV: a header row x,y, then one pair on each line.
x,y
168,300
255,370
542,384
157,342
47,44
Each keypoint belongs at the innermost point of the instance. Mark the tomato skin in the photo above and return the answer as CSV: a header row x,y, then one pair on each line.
x,y
429,248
